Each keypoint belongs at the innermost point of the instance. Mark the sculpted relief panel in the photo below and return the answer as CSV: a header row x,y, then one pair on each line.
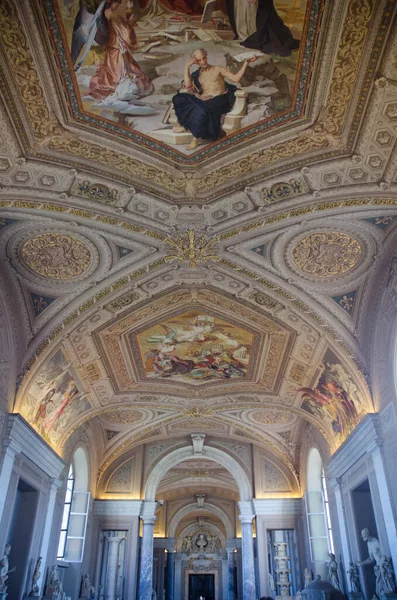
x,y
56,256
326,254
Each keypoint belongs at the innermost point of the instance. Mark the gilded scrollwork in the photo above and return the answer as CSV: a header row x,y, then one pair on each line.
x,y
56,256
326,254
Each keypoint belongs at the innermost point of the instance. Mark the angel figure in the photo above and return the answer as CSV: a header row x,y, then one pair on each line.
x,y
118,77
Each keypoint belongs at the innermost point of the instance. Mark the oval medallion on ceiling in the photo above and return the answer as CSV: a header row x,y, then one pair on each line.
x,y
327,254
272,417
123,417
56,256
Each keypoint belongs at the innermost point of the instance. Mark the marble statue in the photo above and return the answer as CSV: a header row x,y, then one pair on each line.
x,y
213,544
333,576
202,542
354,579
87,589
307,577
384,576
53,581
382,567
35,577
187,544
5,570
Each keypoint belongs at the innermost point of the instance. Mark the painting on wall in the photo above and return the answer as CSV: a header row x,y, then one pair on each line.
x,y
168,69
194,347
55,399
335,398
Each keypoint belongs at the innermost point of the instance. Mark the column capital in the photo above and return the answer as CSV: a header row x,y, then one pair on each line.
x,y
246,519
148,511
247,511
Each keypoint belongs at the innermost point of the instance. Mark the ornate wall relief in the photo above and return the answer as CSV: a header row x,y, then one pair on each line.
x,y
326,254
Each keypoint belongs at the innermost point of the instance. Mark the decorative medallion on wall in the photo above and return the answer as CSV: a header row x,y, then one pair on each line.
x,y
56,256
272,417
381,222
326,254
346,301
40,303
284,190
123,417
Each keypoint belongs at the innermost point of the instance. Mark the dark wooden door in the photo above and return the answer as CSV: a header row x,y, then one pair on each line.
x,y
202,585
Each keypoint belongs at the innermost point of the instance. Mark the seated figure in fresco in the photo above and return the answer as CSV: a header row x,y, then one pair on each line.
x,y
205,97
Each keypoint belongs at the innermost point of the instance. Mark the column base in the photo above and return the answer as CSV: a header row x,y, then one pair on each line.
x,y
355,596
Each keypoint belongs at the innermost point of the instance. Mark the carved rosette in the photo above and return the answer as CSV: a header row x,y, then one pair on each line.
x,y
56,256
327,254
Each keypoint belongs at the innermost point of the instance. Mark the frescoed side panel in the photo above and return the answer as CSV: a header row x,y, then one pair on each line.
x,y
335,399
55,399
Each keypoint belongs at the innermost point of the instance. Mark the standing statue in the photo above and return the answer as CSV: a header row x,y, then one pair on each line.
x,y
381,570
307,577
5,570
53,581
86,585
35,577
354,578
333,576
187,544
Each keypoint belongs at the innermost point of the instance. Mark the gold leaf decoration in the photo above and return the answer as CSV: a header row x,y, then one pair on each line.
x,y
192,248
56,256
326,254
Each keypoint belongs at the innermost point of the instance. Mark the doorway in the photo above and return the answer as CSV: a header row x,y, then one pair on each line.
x,y
20,535
202,585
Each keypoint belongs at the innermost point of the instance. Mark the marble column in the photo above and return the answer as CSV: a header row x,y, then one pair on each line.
x,y
247,551
170,574
54,485
146,567
384,495
340,508
112,566
230,565
178,583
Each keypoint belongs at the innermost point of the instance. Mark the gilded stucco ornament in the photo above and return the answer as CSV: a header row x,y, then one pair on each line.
x,y
56,256
326,254
192,248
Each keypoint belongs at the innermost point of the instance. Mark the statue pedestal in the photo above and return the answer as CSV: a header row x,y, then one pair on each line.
x,y
388,596
355,596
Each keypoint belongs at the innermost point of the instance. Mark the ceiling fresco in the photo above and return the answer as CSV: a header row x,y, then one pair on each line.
x,y
123,65
229,289
195,347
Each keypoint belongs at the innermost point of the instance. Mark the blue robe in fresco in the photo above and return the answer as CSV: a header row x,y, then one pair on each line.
x,y
203,117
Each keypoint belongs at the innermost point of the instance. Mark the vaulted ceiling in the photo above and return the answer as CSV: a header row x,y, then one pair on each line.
x,y
153,292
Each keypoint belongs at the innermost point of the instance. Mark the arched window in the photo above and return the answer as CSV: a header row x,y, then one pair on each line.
x,y
75,510
317,511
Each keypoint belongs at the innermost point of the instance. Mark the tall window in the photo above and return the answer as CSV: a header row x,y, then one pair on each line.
x,y
66,513
327,513
317,511
75,510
